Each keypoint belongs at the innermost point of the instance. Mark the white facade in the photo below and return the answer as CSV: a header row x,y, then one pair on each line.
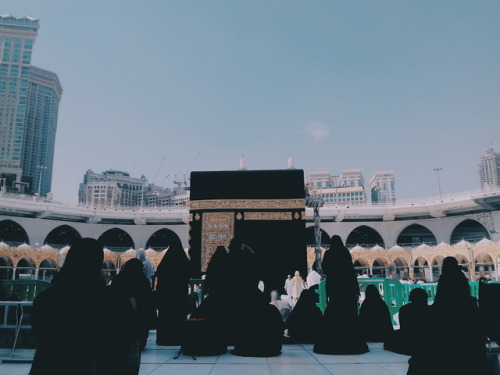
x,y
489,169
349,190
382,188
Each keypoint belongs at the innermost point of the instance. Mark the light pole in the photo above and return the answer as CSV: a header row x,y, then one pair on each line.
x,y
41,168
315,201
439,181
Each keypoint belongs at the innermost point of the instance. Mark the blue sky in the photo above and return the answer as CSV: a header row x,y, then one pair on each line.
x,y
407,85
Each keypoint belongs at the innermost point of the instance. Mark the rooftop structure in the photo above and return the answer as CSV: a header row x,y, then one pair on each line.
x,y
382,188
489,169
114,188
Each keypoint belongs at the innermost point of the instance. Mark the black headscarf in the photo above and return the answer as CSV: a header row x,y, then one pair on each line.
x,y
338,267
453,286
217,271
82,267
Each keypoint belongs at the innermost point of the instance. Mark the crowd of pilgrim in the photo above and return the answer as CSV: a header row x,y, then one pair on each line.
x,y
83,326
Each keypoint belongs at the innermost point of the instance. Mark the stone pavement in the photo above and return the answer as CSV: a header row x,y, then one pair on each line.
x,y
294,360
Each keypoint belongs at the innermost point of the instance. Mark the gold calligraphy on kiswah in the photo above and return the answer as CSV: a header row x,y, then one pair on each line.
x,y
242,204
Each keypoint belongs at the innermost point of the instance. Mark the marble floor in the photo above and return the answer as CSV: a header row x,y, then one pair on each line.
x,y
295,359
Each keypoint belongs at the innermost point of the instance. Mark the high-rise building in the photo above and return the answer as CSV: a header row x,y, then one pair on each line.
x,y
382,188
321,180
352,177
349,190
114,188
489,169
29,102
44,95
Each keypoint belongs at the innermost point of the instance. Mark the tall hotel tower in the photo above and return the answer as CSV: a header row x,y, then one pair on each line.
x,y
382,188
29,102
489,169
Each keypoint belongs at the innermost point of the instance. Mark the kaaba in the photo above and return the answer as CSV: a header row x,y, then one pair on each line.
x,y
264,209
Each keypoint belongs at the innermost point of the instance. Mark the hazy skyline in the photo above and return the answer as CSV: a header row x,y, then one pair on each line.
x,y
407,86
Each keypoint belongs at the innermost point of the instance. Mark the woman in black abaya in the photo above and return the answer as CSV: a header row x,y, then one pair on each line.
x,y
172,292
458,343
374,316
339,333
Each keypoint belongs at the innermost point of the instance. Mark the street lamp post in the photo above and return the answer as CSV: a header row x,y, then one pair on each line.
x,y
315,201
437,170
41,168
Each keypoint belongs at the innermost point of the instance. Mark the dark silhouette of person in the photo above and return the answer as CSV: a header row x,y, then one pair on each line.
x,y
340,333
257,326
302,322
457,345
489,308
413,320
374,316
79,326
172,294
131,283
207,331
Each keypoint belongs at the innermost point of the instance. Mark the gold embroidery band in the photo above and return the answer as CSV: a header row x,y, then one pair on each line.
x,y
268,216
217,229
239,204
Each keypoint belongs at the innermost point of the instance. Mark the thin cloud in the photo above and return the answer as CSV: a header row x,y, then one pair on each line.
x,y
317,130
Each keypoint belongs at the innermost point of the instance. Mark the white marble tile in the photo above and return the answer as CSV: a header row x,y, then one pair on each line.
x,y
297,369
395,368
182,369
356,369
337,358
157,356
187,359
383,356
148,368
232,369
15,369
292,357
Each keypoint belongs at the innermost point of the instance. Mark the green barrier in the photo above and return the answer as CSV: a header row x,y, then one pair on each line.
x,y
321,291
394,293
26,290
391,291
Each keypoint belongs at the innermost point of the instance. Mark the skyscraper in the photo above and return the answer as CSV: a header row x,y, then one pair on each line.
x,y
489,169
382,187
44,95
29,102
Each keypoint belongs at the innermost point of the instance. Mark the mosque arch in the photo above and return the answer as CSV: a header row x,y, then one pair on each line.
x,y
400,262
47,269
399,268
380,268
364,236
63,235
25,268
469,230
484,266
161,239
419,267
116,239
361,266
311,240
12,233
415,235
6,266
437,265
48,263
